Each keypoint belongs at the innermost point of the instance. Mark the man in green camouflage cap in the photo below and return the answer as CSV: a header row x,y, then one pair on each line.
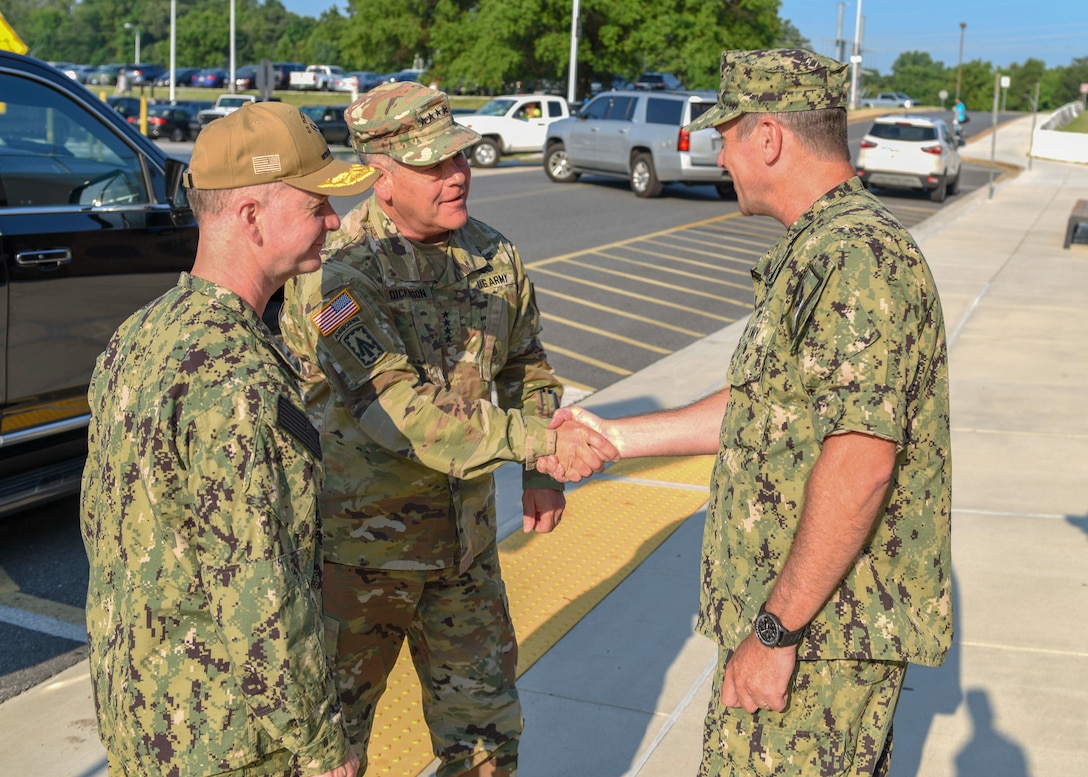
x,y
199,498
826,554
420,315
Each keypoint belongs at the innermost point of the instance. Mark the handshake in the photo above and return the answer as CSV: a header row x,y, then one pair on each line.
x,y
583,444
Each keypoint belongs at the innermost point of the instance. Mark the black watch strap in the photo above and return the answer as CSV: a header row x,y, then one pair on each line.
x,y
770,631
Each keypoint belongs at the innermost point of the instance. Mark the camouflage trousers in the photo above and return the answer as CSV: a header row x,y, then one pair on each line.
x,y
462,644
279,763
837,723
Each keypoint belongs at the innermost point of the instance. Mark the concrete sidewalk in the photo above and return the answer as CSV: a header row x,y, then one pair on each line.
x,y
624,692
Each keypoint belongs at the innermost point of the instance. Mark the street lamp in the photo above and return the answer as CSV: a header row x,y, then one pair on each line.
x,y
959,68
131,26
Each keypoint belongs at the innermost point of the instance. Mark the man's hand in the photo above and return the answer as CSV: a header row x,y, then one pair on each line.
x,y
350,768
542,509
758,677
582,446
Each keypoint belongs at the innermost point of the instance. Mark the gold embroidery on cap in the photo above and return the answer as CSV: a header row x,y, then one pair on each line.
x,y
348,178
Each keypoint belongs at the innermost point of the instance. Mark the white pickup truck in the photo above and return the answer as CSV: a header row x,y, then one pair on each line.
x,y
513,124
316,77
227,103
888,100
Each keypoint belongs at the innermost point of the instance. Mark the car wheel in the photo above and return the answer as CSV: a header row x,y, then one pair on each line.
x,y
644,181
557,166
938,193
954,185
485,153
725,190
177,135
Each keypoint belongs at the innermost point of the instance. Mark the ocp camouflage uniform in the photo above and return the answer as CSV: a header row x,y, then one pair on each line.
x,y
400,345
847,336
198,514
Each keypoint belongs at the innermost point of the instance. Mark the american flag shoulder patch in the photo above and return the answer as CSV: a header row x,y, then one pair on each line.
x,y
342,307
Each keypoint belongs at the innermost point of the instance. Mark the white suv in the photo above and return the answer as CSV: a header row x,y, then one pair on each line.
x,y
915,152
639,136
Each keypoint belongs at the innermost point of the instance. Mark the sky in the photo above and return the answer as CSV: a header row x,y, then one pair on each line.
x,y
1000,32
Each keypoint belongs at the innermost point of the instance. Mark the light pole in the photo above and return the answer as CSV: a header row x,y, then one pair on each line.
x,y
855,61
131,26
573,74
959,68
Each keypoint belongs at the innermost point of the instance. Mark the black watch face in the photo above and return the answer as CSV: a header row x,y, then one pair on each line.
x,y
767,630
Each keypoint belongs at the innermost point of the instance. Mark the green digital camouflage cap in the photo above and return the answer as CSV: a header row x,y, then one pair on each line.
x,y
268,142
408,121
775,81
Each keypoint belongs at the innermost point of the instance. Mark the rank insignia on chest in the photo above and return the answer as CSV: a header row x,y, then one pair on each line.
x,y
342,307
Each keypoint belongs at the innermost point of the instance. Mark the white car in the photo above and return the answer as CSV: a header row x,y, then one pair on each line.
x,y
512,124
915,152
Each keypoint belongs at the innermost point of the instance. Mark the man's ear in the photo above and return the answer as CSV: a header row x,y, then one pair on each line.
x,y
771,137
246,212
383,187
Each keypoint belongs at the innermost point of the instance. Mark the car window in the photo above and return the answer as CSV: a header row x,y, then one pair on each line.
x,y
622,108
908,132
597,108
661,111
555,109
54,152
698,109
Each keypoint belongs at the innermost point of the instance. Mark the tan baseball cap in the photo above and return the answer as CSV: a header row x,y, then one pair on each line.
x,y
775,81
408,121
267,142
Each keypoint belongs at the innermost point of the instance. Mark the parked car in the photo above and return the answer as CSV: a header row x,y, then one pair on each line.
x,y
639,136
888,100
330,120
316,77
104,75
657,81
211,78
183,76
93,224
511,124
129,107
143,75
224,104
245,77
176,122
283,71
356,81
915,152
410,74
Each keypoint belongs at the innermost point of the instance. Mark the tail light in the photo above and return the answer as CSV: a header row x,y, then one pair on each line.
x,y
935,150
157,121
683,143
866,143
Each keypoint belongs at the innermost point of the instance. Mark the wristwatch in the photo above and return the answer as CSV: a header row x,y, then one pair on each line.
x,y
770,631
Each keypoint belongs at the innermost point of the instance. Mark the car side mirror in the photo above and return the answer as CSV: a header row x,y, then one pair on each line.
x,y
175,191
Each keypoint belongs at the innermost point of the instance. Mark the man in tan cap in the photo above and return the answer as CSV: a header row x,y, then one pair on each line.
x,y
826,561
420,316
199,499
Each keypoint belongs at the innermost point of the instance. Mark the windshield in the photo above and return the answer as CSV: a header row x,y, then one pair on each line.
x,y
495,108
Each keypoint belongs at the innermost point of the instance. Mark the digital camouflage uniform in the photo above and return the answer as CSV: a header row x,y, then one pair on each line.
x,y
199,519
847,335
401,344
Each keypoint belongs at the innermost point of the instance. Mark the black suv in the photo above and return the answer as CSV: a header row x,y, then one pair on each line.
x,y
93,224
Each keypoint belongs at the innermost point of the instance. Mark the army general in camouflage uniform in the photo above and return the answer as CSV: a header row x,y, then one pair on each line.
x,y
199,498
419,314
827,546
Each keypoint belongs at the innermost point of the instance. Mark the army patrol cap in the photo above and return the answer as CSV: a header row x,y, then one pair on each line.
x,y
775,81
409,122
268,142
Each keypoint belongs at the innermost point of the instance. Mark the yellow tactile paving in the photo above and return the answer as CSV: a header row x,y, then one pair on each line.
x,y
43,413
611,525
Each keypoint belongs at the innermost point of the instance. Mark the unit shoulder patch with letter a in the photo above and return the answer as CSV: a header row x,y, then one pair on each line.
x,y
360,343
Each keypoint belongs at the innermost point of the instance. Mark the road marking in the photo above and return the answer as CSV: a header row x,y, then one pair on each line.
x,y
42,624
587,360
642,297
622,313
717,266
697,276
603,333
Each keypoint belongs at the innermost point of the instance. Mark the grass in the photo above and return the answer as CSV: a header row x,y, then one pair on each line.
x,y
1079,124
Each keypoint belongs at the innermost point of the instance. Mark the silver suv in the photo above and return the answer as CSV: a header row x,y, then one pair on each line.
x,y
638,136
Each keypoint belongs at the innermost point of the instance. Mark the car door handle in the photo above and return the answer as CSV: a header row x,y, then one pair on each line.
x,y
54,257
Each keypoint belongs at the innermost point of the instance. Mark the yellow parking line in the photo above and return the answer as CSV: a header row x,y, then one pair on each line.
x,y
603,333
586,359
721,262
700,277
662,284
618,312
573,384
584,252
633,295
552,581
